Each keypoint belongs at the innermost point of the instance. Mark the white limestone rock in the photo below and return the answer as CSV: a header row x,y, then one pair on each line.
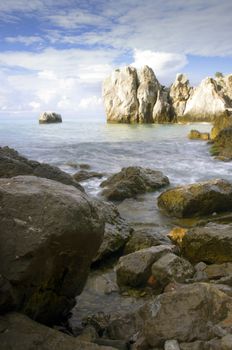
x,y
162,111
50,117
179,93
120,96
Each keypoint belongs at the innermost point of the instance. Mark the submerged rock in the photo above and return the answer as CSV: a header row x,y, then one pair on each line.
x,y
50,117
45,250
201,198
197,135
21,333
13,164
84,175
132,181
211,243
192,312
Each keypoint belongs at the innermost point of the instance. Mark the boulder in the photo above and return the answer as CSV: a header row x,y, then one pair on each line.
x,y
162,111
84,175
147,94
116,233
132,181
120,96
50,117
45,250
13,164
19,332
192,312
221,122
205,103
180,92
171,267
197,135
211,243
134,269
197,199
222,146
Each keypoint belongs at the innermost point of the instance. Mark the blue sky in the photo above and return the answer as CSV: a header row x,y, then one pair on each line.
x,y
55,54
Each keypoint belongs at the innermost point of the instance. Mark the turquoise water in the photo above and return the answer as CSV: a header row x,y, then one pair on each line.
x,y
108,147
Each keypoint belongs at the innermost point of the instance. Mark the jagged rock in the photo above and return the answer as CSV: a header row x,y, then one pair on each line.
x,y
211,243
147,93
84,175
197,135
192,312
201,198
134,269
222,145
19,332
116,233
171,267
50,117
162,111
205,103
13,164
120,96
49,235
179,93
132,181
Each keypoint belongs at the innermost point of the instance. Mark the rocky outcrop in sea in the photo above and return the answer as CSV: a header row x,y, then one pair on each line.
x,y
136,96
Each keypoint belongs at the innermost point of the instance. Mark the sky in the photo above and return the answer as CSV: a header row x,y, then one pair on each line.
x,y
54,55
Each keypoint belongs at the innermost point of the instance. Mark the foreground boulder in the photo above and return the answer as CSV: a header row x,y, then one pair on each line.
x,y
192,312
50,117
222,146
211,243
21,333
49,235
201,198
13,164
116,233
132,181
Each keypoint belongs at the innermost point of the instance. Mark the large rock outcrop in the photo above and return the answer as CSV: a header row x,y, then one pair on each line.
x,y
179,93
120,96
222,145
49,234
13,164
136,96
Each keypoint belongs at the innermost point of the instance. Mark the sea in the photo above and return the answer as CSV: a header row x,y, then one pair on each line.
x,y
106,148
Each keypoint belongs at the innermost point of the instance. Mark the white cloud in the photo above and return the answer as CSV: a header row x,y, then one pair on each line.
x,y
26,40
164,64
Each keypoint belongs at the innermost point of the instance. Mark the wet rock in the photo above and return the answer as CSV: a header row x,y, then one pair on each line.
x,y
144,238
179,93
117,344
197,135
134,269
221,122
216,344
211,243
86,175
147,94
132,181
50,117
45,250
116,233
13,164
222,145
201,198
188,314
171,345
217,271
171,267
120,96
19,332
88,334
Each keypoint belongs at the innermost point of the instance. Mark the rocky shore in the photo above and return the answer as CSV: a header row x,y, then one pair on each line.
x,y
75,274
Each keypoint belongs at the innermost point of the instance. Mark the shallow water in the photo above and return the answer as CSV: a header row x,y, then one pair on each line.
x,y
109,147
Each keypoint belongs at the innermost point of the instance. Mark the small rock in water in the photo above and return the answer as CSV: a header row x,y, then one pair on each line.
x,y
171,345
50,117
83,175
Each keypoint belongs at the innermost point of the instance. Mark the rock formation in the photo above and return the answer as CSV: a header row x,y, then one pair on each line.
x,y
136,96
50,117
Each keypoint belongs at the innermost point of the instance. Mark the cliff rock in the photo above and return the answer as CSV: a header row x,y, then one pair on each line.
x,y
179,93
